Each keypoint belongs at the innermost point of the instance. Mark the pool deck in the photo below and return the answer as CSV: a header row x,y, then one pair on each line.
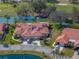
x,y
46,50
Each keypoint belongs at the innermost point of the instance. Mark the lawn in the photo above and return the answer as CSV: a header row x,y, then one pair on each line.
x,y
68,52
67,8
7,9
8,38
75,25
44,20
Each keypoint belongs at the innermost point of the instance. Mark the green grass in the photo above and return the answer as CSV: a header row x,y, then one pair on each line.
x,y
68,52
8,37
67,8
44,20
7,9
75,25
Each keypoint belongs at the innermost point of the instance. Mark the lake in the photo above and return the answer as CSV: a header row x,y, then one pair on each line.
x,y
19,56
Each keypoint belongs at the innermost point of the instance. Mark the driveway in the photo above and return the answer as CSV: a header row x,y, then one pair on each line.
x,y
75,56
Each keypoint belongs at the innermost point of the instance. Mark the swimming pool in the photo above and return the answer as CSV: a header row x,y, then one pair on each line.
x,y
19,56
4,20
18,18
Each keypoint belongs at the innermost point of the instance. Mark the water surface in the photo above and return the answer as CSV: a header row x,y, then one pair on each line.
x,y
19,56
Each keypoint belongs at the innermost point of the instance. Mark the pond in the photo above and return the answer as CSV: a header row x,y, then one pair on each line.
x,y
19,56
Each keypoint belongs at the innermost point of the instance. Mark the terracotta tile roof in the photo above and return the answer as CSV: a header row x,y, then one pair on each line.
x,y
31,29
67,34
63,39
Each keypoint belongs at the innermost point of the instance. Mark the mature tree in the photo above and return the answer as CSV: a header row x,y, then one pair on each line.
x,y
39,5
22,10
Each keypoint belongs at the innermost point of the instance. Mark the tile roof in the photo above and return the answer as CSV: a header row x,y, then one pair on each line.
x,y
31,29
67,34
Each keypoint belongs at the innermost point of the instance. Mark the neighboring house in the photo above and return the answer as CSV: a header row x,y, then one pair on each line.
x,y
69,35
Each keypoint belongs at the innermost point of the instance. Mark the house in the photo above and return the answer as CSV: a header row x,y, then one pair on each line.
x,y
69,35
36,30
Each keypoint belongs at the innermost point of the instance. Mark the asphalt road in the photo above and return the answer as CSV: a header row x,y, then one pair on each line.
x,y
46,50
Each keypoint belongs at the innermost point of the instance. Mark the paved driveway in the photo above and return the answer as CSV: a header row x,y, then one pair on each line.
x,y
75,56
